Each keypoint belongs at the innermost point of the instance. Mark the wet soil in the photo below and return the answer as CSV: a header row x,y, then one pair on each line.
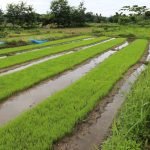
x,y
40,48
29,98
19,68
16,104
25,65
91,132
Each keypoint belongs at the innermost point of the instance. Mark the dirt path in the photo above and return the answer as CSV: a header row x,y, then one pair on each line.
x,y
29,98
90,133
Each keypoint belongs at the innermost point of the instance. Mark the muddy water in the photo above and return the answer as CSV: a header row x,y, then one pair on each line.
x,y
35,62
88,39
95,44
122,46
95,133
16,68
2,57
96,130
15,105
37,49
148,58
23,101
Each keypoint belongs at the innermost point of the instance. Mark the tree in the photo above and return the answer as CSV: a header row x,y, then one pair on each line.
x,y
135,9
147,15
64,15
60,10
11,14
21,14
45,19
136,13
115,18
78,15
89,17
99,18
1,17
30,17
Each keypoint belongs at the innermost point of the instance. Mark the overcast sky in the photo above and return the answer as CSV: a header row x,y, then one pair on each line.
x,y
105,7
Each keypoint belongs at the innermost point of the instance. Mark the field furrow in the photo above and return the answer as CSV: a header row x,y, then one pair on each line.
x,y
24,79
20,49
33,55
130,128
40,127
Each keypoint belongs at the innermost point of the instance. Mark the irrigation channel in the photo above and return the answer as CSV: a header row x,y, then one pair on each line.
x,y
90,134
37,49
86,39
2,57
20,67
29,98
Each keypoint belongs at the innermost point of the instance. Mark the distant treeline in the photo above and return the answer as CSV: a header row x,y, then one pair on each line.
x,y
131,15
61,14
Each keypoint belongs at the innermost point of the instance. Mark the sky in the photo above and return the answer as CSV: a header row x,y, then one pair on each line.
x,y
105,7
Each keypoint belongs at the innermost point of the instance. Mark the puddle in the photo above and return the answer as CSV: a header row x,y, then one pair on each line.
x,y
122,46
85,47
148,57
20,67
2,57
27,99
34,63
96,132
23,101
37,49
88,39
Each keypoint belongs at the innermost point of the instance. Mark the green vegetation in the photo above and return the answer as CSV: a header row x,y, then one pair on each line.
x,y
34,46
26,78
21,14
40,127
40,31
130,130
128,31
51,120
26,39
29,56
64,15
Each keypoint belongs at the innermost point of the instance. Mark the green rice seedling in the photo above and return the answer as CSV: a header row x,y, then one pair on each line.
x,y
33,55
133,120
51,120
8,51
26,78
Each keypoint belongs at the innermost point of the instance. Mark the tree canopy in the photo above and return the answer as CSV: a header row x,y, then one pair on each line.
x,y
20,14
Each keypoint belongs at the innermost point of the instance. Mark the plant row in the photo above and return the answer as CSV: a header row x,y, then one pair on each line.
x,y
33,55
8,51
26,78
51,120
130,129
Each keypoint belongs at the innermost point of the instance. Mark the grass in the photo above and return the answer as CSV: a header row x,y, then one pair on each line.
x,y
20,37
126,31
26,78
33,55
48,36
7,51
41,126
26,40
40,31
130,129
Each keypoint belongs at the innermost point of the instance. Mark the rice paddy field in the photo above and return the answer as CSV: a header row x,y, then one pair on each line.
x,y
59,95
20,37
